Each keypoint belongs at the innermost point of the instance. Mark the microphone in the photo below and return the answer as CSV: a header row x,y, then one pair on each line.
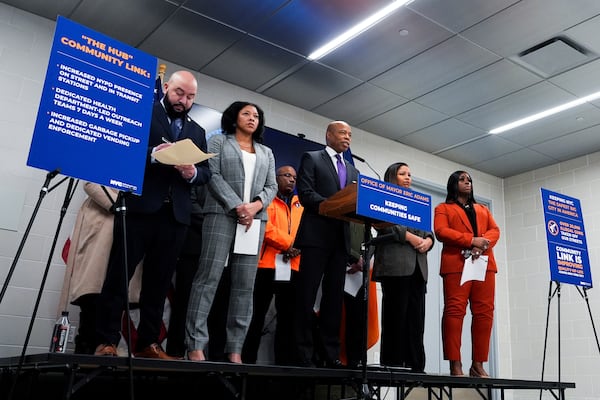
x,y
385,238
358,158
368,165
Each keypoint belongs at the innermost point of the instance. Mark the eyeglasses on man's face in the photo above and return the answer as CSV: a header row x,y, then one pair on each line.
x,y
288,175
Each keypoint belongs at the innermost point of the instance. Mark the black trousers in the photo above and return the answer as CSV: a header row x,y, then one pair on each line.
x,y
157,239
85,341
355,327
403,321
186,268
325,267
265,288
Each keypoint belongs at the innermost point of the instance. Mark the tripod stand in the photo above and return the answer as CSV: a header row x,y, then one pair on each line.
x,y
557,292
72,185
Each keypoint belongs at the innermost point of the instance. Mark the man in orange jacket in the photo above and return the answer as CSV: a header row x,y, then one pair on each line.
x,y
279,259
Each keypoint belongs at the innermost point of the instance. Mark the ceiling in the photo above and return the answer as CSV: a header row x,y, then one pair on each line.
x,y
436,75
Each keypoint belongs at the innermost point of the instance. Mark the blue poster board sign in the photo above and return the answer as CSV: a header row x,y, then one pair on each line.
x,y
392,203
94,115
565,234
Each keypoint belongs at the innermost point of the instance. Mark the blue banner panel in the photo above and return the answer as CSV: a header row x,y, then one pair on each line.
x,y
94,116
565,234
391,203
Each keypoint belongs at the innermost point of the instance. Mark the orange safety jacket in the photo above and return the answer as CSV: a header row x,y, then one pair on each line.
x,y
280,231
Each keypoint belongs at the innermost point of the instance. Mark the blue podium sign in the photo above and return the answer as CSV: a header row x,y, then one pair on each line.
x,y
392,203
565,234
94,115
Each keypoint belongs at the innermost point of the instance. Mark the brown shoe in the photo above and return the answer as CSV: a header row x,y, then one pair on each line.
x,y
106,350
456,368
477,370
155,351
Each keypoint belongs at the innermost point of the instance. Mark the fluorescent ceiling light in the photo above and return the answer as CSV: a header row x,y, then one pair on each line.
x,y
357,29
545,113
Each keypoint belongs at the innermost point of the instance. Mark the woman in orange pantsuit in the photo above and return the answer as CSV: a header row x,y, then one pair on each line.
x,y
468,231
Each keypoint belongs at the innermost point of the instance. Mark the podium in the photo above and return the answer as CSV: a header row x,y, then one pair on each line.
x,y
342,205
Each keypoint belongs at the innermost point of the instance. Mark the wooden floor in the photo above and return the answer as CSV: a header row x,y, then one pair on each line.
x,y
52,376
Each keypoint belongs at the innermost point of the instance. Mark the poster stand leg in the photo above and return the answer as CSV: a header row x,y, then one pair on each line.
x,y
72,185
551,294
121,211
583,293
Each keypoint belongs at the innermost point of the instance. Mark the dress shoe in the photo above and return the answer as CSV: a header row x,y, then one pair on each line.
x,y
154,351
477,371
354,365
106,350
234,358
305,364
336,364
196,355
456,368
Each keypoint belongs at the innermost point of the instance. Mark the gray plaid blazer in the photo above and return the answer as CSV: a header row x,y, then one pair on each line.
x,y
226,187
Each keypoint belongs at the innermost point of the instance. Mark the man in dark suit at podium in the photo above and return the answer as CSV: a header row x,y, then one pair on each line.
x,y
156,224
325,245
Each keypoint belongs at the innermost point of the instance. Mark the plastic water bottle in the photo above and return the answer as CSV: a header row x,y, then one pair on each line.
x,y
60,334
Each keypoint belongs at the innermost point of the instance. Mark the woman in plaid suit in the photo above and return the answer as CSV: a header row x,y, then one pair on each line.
x,y
242,186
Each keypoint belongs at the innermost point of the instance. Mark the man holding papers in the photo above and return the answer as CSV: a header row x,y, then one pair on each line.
x,y
279,259
156,224
469,233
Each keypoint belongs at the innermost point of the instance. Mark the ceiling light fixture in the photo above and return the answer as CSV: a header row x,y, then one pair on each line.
x,y
545,113
357,29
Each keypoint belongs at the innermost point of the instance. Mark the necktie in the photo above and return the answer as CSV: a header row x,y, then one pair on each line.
x,y
341,169
176,126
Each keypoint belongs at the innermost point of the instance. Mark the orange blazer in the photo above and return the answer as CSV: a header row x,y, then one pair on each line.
x,y
280,232
453,229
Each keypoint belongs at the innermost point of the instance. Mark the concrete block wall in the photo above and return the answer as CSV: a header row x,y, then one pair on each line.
x,y
522,282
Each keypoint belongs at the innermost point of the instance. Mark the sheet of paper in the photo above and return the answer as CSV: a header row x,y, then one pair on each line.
x,y
283,269
353,283
474,270
247,242
183,152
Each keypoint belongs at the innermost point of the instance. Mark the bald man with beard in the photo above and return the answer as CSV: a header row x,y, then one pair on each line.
x,y
156,224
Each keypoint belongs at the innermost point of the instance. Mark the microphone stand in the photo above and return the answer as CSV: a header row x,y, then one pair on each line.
x,y
366,391
43,192
68,196
368,165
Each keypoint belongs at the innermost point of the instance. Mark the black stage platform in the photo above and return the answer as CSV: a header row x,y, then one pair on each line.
x,y
71,376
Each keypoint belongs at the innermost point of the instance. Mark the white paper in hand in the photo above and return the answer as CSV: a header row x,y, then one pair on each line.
x,y
353,283
182,152
474,270
283,269
247,242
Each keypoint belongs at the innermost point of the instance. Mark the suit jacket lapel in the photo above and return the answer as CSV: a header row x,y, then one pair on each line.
x,y
162,118
463,217
329,163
